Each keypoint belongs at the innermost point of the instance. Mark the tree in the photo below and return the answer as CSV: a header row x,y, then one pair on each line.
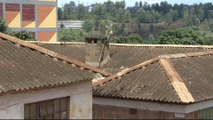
x,y
182,36
99,11
142,16
140,4
103,26
81,11
120,15
201,13
174,14
3,26
60,13
120,4
134,38
109,5
67,12
88,26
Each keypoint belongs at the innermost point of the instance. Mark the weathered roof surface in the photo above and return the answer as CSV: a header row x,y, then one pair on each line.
x,y
197,75
133,54
76,51
175,78
25,66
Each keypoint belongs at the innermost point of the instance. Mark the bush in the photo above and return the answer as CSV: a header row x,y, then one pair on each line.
x,y
68,35
24,35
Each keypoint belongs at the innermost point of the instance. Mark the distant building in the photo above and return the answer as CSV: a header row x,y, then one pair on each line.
x,y
36,16
71,24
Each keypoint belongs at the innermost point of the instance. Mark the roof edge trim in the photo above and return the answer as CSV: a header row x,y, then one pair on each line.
x,y
15,91
185,55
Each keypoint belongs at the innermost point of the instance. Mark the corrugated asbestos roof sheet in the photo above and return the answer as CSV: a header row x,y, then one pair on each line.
x,y
176,78
25,66
76,51
159,72
133,55
197,75
149,83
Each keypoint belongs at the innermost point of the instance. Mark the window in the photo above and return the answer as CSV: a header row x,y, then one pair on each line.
x,y
51,109
206,113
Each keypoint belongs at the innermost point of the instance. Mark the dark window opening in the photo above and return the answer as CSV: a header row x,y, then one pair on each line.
x,y
95,41
51,109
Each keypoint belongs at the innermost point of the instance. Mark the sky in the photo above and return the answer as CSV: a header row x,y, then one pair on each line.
x,y
132,2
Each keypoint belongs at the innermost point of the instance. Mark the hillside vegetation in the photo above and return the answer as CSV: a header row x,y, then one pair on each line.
x,y
160,23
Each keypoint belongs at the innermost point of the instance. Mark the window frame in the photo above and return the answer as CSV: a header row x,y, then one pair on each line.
x,y
28,114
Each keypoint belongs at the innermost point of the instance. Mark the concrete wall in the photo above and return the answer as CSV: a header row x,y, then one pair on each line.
x,y
12,105
122,108
113,112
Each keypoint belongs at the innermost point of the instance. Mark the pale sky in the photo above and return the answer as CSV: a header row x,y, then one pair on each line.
x,y
132,2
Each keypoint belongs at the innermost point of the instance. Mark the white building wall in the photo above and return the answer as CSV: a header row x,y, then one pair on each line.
x,y
12,105
153,106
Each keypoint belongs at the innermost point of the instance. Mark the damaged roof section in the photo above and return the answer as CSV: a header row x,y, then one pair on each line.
x,y
25,66
174,78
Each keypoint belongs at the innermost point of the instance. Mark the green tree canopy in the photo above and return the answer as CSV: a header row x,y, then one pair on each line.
x,y
182,36
3,27
88,26
81,11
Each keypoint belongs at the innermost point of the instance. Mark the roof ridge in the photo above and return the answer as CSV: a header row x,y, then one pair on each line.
x,y
53,54
125,71
186,55
176,81
130,45
163,46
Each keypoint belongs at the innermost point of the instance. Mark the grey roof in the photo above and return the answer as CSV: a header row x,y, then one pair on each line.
x,y
25,66
133,54
176,78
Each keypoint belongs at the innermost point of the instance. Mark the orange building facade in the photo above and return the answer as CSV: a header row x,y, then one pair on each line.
x,y
37,16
